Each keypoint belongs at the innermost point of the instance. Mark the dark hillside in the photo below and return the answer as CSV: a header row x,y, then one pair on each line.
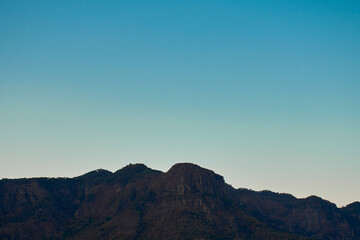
x,y
187,202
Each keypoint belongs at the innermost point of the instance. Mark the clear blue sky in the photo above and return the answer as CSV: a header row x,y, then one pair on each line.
x,y
266,93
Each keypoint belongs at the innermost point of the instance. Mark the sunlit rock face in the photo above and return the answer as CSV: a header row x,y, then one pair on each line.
x,y
187,202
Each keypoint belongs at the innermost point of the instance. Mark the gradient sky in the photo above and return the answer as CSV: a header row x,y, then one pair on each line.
x,y
265,93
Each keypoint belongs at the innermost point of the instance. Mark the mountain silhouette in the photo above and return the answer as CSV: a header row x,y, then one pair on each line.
x,y
186,202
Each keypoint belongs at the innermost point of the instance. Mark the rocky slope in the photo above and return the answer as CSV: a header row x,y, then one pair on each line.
x,y
187,202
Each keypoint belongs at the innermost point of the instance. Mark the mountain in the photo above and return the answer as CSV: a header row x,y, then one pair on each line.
x,y
187,202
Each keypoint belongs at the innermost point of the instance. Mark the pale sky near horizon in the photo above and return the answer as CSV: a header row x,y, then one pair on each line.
x,y
265,93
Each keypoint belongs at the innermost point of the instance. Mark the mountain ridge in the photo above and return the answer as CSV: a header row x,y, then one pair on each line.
x,y
186,202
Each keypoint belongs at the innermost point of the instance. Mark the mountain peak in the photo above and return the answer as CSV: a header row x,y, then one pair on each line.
x,y
353,209
96,173
186,165
187,170
190,168
135,166
193,178
133,172
354,204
